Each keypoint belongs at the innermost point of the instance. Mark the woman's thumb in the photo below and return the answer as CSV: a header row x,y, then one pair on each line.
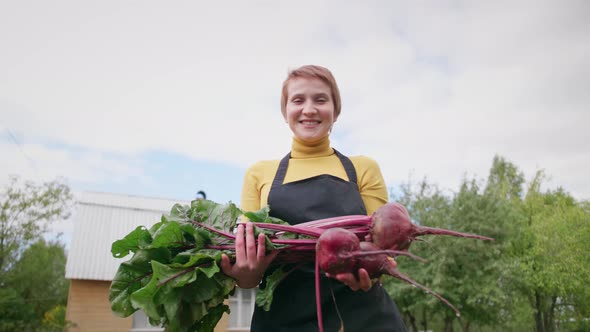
x,y
224,264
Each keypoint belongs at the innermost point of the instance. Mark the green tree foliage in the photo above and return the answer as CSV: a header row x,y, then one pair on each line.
x,y
505,180
468,271
533,277
55,319
552,256
32,271
36,284
26,209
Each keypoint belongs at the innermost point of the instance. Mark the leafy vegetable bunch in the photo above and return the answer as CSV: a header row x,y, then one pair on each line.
x,y
174,274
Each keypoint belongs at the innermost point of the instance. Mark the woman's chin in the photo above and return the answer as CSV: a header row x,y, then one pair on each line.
x,y
310,139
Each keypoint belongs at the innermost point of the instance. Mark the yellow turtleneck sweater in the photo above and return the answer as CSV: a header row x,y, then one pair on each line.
x,y
308,161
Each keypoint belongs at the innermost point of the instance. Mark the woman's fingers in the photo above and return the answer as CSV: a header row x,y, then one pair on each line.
x,y
240,250
250,243
261,252
365,282
251,259
225,264
346,278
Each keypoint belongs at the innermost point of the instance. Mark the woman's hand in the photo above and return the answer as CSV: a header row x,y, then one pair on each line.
x,y
251,259
363,281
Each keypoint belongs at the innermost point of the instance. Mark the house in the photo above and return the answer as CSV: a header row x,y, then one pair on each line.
x,y
99,220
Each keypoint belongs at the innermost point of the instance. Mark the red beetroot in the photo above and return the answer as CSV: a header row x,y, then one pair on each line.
x,y
392,228
334,248
338,249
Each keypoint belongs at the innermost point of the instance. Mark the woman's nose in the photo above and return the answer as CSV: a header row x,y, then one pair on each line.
x,y
308,108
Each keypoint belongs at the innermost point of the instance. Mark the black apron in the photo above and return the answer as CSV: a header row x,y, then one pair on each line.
x,y
293,308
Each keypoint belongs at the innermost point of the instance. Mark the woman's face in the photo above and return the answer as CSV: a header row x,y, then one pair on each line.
x,y
310,109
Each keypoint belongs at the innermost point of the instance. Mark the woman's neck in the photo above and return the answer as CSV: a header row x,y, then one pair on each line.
x,y
301,150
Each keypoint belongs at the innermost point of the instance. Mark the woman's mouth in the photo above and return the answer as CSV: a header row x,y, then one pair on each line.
x,y
309,122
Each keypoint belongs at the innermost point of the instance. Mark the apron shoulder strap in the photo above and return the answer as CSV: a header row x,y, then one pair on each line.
x,y
281,171
348,166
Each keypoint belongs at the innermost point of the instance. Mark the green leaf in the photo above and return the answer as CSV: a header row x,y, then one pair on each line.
x,y
180,213
132,276
146,298
227,284
191,257
204,289
258,216
199,237
263,215
169,234
138,239
264,296
220,216
169,298
208,322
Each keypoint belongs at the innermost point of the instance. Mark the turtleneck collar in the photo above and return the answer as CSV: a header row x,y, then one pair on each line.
x,y
302,150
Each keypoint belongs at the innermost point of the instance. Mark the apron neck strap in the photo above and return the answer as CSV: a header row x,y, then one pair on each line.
x,y
284,164
348,166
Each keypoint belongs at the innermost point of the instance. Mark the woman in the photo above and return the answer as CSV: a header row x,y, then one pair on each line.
x,y
313,181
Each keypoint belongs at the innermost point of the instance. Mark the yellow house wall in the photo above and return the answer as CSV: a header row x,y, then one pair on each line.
x,y
89,308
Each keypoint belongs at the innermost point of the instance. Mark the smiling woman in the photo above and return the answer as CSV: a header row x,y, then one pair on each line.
x,y
313,181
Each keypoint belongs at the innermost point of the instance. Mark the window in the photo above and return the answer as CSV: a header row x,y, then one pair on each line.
x,y
141,323
241,306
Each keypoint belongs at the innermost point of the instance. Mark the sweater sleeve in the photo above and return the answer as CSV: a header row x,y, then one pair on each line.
x,y
250,199
371,183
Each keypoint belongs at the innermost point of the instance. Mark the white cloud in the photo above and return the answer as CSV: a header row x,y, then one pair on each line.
x,y
41,163
436,88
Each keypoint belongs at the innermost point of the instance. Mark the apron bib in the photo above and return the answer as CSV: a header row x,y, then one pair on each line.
x,y
293,308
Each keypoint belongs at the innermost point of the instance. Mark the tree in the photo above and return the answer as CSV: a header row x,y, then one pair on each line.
x,y
505,180
32,271
553,258
55,320
469,272
540,256
34,285
26,209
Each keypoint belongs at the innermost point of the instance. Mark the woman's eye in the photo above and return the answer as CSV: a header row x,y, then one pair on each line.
x,y
297,100
321,100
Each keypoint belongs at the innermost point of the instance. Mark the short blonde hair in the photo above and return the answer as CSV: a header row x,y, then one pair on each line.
x,y
311,71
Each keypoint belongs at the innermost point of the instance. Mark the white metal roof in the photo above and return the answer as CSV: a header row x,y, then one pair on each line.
x,y
99,220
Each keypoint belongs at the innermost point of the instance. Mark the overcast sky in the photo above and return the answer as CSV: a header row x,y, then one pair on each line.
x,y
162,98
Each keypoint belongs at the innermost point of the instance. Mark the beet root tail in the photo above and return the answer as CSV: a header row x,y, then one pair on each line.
x,y
440,231
318,301
396,274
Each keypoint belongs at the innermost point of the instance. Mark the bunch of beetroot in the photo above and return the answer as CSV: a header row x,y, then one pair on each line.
x,y
174,274
346,244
